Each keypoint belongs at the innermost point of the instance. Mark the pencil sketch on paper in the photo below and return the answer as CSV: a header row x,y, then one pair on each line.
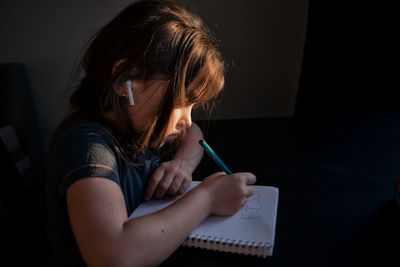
x,y
249,211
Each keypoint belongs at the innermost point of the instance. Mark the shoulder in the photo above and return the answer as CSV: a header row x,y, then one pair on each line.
x,y
82,149
84,142
87,128
85,132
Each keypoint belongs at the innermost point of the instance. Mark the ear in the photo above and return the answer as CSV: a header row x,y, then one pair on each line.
x,y
122,87
116,65
125,90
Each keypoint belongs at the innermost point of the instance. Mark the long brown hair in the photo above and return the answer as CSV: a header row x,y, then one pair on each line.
x,y
151,39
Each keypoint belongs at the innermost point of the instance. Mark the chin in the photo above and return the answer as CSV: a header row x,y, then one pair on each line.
x,y
171,139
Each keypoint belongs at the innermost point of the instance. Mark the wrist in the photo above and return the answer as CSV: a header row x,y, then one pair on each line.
x,y
206,192
187,165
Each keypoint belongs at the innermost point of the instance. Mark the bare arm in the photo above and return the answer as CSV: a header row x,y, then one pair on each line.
x,y
174,177
106,237
189,151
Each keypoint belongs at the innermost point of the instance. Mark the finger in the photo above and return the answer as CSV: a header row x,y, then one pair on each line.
x,y
175,185
184,186
153,183
250,179
219,174
164,184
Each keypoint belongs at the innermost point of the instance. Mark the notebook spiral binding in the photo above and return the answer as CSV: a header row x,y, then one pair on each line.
x,y
228,245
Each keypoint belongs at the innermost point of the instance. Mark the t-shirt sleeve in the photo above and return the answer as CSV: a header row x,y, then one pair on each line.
x,y
82,154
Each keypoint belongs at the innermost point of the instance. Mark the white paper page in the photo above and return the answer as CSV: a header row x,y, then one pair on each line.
x,y
254,222
155,205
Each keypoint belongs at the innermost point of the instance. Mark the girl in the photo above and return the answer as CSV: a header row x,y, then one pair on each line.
x,y
129,137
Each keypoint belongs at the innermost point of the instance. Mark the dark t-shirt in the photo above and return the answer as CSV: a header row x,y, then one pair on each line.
x,y
88,149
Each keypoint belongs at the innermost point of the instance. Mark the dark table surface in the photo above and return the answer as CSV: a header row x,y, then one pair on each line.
x,y
336,178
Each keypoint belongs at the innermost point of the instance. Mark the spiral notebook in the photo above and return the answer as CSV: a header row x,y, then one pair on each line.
x,y
250,231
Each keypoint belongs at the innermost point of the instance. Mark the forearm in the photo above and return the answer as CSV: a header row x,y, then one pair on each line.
x,y
154,237
105,236
189,149
174,176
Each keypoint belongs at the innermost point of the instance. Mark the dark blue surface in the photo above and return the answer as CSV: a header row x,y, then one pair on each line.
x,y
336,178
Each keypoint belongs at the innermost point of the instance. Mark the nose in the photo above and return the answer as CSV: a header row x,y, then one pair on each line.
x,y
186,117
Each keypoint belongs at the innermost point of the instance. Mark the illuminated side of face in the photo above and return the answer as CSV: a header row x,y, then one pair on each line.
x,y
179,121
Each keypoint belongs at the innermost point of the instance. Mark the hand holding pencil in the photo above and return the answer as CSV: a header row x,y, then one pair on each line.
x,y
230,192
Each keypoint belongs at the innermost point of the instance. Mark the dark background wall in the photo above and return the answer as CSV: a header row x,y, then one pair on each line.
x,y
351,59
262,42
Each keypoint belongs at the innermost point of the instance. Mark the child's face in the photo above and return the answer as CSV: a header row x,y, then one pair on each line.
x,y
181,119
147,98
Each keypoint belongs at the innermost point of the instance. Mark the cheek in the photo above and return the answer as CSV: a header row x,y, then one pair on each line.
x,y
172,123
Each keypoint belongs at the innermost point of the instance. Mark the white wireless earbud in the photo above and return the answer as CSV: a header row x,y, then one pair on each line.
x,y
128,84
